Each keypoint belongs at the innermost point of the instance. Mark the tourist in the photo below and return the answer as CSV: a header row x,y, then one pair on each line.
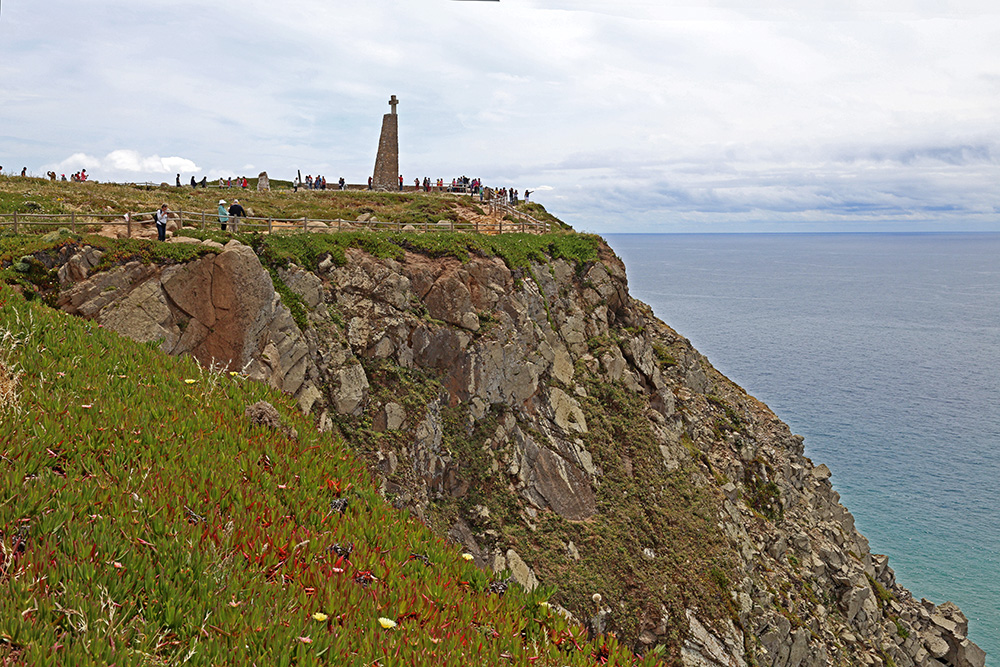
x,y
24,171
160,218
369,182
527,193
178,180
343,183
416,184
194,183
400,182
223,214
236,211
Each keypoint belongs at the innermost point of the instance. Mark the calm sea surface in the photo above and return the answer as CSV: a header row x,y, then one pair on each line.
x,y
883,350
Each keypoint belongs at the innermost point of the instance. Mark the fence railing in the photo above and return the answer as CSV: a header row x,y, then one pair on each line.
x,y
500,223
501,209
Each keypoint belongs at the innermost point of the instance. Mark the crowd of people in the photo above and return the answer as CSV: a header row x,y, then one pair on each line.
x,y
79,177
311,183
224,183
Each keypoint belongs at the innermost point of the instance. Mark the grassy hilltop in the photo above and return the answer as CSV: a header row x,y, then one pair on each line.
x,y
36,195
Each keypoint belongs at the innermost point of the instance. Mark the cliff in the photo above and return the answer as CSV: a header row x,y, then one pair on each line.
x,y
524,404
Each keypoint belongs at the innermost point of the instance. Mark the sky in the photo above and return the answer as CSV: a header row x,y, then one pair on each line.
x,y
619,116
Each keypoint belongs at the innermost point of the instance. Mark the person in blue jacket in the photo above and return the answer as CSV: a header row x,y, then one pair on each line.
x,y
223,214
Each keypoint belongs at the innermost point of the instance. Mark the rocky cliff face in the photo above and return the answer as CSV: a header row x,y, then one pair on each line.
x,y
549,422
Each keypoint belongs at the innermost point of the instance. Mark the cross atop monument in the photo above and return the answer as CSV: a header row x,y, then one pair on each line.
x,y
393,102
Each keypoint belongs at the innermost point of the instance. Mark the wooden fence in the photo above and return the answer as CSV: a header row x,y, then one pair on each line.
x,y
503,219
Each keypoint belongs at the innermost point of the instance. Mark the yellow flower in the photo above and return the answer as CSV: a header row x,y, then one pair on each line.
x,y
190,381
468,556
386,623
320,616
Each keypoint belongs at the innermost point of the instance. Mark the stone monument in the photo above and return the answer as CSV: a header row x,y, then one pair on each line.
x,y
386,174
263,183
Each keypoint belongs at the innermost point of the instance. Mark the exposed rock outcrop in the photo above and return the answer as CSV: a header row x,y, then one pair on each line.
x,y
222,309
542,417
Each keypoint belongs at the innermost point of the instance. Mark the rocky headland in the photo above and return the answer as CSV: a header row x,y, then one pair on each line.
x,y
549,422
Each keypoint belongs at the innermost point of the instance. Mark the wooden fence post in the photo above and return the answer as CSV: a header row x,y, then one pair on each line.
x,y
72,221
305,224
128,222
15,222
270,225
203,221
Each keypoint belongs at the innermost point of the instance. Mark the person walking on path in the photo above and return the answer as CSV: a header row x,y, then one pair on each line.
x,y
236,211
160,218
223,214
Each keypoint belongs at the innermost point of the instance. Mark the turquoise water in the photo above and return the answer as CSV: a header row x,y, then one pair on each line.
x,y
883,350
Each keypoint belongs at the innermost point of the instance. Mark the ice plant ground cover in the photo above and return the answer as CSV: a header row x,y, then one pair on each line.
x,y
145,520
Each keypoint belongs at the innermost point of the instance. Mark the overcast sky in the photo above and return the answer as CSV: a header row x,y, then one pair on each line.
x,y
625,115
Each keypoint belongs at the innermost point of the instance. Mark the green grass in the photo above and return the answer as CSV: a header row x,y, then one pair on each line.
x,y
37,195
145,520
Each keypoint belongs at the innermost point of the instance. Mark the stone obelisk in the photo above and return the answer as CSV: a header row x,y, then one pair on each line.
x,y
387,161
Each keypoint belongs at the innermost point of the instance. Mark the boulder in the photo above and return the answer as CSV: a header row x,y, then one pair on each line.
x,y
520,571
553,482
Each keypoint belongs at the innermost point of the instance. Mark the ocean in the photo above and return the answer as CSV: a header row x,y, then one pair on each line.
x,y
883,351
